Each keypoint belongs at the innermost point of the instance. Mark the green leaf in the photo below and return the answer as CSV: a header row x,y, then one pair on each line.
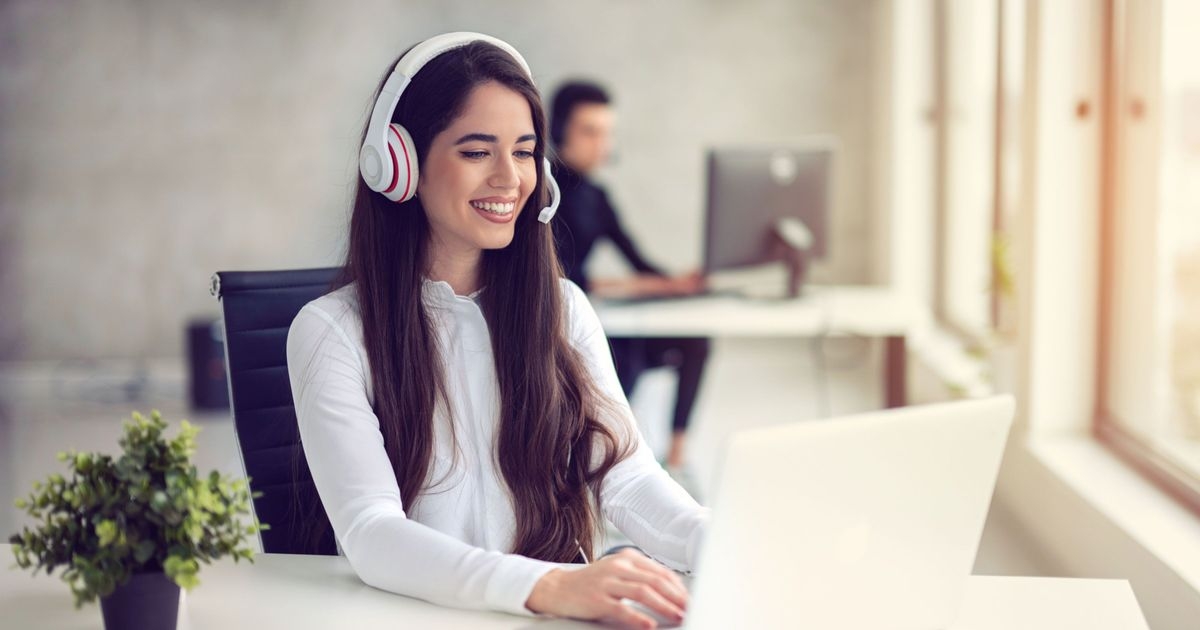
x,y
106,530
187,580
144,551
194,530
182,570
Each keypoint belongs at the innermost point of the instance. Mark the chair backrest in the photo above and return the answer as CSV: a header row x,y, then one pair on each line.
x,y
258,308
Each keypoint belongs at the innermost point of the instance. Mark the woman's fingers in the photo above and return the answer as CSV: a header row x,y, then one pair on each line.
x,y
628,617
651,565
662,579
660,585
649,597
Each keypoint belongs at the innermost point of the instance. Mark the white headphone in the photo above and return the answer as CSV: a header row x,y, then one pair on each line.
x,y
388,159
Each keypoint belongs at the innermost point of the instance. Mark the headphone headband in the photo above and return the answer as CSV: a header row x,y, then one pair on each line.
x,y
379,162
424,52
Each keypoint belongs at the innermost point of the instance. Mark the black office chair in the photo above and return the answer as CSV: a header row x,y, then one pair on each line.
x,y
258,308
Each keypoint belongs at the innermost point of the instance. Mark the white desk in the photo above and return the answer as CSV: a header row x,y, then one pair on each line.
x,y
867,311
301,592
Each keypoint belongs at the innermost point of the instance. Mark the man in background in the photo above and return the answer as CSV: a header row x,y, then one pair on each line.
x,y
581,122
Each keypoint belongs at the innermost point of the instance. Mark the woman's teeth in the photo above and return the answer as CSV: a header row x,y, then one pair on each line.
x,y
495,208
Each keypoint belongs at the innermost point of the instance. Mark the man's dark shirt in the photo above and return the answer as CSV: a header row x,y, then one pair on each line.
x,y
584,217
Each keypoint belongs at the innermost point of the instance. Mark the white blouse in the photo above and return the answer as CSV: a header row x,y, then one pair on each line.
x,y
454,547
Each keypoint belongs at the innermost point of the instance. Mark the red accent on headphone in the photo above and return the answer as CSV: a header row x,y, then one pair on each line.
x,y
392,152
407,171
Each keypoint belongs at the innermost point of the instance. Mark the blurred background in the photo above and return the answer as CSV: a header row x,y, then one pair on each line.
x,y
1026,171
223,136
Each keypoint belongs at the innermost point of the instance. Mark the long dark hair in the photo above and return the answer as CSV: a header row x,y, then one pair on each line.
x,y
552,447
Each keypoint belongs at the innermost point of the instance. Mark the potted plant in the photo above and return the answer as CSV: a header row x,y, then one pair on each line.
x,y
1002,351
996,350
132,530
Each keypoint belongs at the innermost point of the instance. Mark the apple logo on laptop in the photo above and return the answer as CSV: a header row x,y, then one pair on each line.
x,y
853,543
783,167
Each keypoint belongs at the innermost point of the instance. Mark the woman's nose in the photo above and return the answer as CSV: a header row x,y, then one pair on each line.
x,y
505,175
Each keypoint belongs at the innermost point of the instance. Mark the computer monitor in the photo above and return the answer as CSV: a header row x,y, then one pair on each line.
x,y
758,199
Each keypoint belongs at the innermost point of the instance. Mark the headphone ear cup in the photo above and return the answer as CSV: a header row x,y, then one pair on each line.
x,y
403,154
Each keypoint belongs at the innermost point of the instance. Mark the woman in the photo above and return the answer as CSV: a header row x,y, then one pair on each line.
x,y
456,399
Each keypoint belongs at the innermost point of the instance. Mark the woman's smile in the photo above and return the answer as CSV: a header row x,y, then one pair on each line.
x,y
496,209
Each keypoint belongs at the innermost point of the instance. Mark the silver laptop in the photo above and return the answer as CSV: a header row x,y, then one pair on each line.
x,y
866,521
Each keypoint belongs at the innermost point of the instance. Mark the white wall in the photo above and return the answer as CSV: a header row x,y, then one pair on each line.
x,y
905,158
144,145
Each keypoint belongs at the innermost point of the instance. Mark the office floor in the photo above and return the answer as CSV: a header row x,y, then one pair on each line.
x,y
51,407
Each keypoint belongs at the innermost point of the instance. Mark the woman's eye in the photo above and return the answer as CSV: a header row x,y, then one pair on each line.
x,y
474,155
524,154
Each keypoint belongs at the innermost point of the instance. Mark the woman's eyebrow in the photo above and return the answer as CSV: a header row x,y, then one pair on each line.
x,y
484,137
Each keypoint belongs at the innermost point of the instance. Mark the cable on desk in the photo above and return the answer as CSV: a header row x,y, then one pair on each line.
x,y
824,392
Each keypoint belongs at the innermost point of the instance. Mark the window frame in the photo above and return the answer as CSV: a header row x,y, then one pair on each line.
x,y
1174,479
941,307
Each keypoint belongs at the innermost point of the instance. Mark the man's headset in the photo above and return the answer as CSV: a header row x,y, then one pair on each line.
x,y
388,159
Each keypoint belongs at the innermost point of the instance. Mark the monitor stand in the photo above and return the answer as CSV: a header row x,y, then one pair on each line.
x,y
793,240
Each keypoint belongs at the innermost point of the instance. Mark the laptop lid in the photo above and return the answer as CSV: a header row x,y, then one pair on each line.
x,y
865,521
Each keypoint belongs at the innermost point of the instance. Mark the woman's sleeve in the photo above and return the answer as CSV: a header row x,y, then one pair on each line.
x,y
354,478
637,495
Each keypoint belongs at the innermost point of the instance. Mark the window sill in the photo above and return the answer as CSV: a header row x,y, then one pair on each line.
x,y
1148,516
944,353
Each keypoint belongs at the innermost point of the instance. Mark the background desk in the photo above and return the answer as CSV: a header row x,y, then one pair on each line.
x,y
301,592
865,311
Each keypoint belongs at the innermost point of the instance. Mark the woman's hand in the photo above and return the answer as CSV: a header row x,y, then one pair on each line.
x,y
595,591
690,283
687,284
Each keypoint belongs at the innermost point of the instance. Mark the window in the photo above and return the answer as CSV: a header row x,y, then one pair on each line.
x,y
979,67
967,163
1149,381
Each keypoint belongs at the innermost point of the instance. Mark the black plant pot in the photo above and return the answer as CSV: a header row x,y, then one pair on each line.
x,y
148,601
